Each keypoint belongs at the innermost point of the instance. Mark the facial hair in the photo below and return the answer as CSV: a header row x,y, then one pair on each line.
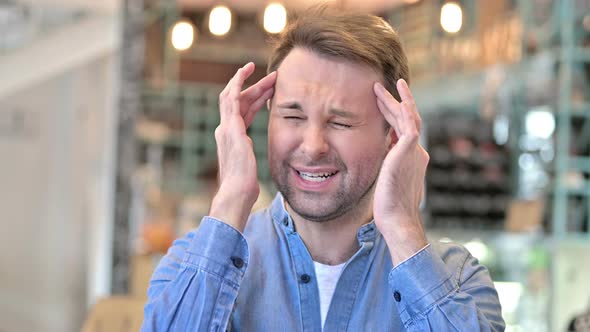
x,y
319,207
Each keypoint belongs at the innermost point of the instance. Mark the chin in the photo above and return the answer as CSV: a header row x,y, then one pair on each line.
x,y
315,209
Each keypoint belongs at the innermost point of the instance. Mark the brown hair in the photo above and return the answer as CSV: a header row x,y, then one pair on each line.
x,y
359,38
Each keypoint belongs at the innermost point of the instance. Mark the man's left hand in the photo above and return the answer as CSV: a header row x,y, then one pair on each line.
x,y
400,185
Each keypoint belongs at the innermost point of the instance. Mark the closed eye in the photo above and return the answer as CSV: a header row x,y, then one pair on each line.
x,y
341,125
293,117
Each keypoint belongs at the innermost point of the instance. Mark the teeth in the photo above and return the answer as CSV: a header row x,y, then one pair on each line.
x,y
315,177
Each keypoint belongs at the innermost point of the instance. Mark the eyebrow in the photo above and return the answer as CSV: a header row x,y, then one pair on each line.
x,y
291,105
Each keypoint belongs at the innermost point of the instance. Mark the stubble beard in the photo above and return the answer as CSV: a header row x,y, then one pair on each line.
x,y
319,207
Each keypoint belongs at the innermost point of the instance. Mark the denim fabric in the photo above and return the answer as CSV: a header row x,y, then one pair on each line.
x,y
217,279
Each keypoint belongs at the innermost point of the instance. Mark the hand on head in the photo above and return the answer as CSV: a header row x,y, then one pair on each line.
x,y
238,182
400,185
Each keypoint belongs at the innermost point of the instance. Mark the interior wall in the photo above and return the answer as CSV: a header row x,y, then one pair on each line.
x,y
56,142
571,294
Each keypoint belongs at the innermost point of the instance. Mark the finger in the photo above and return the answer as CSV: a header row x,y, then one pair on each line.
x,y
407,122
389,105
407,97
256,106
414,121
405,127
234,80
417,119
231,102
229,97
426,159
254,92
389,116
408,128
237,82
404,90
382,93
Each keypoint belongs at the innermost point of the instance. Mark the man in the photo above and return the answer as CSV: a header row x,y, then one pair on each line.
x,y
341,248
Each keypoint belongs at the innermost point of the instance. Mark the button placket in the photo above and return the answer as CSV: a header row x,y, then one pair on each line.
x,y
305,278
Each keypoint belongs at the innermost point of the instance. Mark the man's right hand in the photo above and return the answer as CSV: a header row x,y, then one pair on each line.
x,y
238,181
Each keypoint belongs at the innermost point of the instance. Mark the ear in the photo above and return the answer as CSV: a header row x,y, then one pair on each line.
x,y
391,138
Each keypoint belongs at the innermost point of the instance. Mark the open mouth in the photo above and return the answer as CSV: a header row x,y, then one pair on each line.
x,y
316,177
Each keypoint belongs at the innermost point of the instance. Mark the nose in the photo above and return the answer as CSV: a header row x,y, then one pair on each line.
x,y
314,143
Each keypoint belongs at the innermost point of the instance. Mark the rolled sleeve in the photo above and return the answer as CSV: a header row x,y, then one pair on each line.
x,y
195,286
219,249
420,282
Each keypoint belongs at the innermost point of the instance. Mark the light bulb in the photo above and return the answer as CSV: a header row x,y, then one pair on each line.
x,y
451,17
183,35
220,20
275,18
540,123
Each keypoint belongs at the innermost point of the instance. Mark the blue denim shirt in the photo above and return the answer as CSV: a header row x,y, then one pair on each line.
x,y
217,279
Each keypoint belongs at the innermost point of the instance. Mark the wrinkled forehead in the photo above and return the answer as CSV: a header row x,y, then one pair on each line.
x,y
305,74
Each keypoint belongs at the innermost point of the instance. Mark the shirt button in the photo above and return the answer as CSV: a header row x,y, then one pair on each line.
x,y
286,222
238,262
397,296
305,278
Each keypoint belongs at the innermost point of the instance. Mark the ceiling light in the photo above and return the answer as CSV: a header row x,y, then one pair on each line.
x,y
220,20
451,17
540,123
183,35
275,18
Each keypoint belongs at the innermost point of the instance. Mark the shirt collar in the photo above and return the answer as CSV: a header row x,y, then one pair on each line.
x,y
366,233
279,213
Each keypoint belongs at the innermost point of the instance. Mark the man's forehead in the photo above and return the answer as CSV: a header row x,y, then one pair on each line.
x,y
306,74
302,92
301,62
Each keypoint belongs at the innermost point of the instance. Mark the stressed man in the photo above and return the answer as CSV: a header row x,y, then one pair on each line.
x,y
342,247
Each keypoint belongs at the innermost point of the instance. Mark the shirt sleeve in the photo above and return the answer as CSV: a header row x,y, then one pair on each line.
x,y
430,297
196,284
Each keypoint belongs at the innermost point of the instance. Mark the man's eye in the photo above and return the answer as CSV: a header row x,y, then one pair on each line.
x,y
293,118
341,125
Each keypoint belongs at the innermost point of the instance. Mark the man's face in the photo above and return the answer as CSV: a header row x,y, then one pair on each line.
x,y
327,138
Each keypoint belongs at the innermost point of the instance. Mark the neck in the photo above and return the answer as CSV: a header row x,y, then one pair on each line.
x,y
333,241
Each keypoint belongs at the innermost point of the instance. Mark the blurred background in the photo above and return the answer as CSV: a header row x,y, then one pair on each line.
x,y
107,113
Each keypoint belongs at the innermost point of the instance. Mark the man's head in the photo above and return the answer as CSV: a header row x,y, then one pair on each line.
x,y
358,38
326,135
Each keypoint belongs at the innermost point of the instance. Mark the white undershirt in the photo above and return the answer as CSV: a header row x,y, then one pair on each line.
x,y
327,278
